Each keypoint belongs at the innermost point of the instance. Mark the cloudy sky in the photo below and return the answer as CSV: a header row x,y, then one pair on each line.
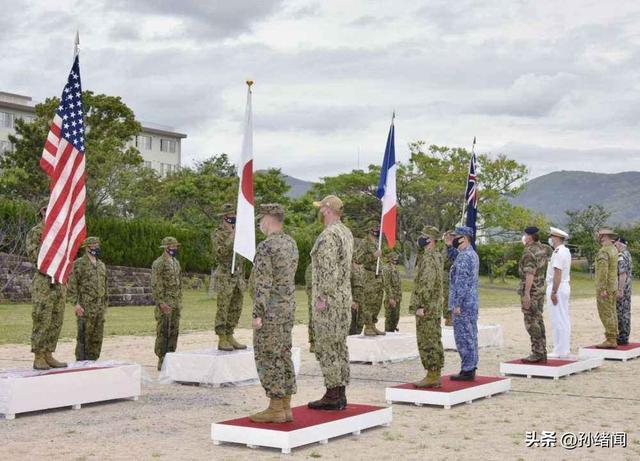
x,y
553,84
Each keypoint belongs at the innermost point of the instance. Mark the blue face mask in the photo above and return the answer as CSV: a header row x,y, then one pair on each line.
x,y
173,252
423,241
95,252
230,220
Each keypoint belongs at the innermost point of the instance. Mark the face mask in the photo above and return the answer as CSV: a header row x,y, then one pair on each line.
x,y
376,233
173,252
550,242
524,240
230,220
95,252
456,242
423,242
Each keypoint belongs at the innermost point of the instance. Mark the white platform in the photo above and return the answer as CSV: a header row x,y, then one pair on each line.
x,y
285,440
214,367
610,354
552,370
489,335
392,347
24,390
446,399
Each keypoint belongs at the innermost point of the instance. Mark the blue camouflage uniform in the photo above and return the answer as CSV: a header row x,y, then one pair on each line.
x,y
463,293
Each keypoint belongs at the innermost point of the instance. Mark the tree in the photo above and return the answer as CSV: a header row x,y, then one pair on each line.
x,y
110,128
583,225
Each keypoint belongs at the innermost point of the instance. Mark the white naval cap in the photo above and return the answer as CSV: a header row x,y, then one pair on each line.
x,y
558,232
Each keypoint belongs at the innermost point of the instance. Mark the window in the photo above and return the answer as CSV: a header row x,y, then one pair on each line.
x,y
147,164
27,118
162,169
168,145
144,142
6,120
5,146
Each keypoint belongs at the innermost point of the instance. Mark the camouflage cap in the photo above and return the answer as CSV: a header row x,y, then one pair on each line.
x,y
169,241
228,209
271,209
431,231
90,241
330,201
42,205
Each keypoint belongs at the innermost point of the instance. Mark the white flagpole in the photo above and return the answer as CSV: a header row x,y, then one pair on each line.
x,y
464,202
393,117
76,45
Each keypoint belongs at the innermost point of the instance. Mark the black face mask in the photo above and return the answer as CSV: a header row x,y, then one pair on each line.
x,y
376,233
230,220
173,252
423,241
456,242
95,252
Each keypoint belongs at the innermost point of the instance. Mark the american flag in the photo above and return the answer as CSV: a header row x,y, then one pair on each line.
x,y
471,194
63,161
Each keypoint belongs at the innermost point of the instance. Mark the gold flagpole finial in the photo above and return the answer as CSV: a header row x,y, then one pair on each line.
x,y
249,83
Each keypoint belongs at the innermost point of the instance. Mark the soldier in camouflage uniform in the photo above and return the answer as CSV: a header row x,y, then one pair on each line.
x,y
366,255
48,304
392,292
274,307
308,277
607,287
625,278
166,285
229,286
331,258
88,292
357,293
448,256
426,305
532,269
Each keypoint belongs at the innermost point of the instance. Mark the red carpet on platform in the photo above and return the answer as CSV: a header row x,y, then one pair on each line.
x,y
627,347
453,386
548,363
69,370
304,417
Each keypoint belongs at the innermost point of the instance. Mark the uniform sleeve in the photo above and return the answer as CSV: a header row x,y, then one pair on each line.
x,y
452,254
461,281
33,244
364,255
263,279
308,280
602,270
396,285
624,266
73,291
326,277
528,263
157,282
222,247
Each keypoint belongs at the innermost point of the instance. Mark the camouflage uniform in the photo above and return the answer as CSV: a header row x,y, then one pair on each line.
x,y
357,293
274,273
447,261
534,261
88,288
607,280
373,286
392,290
625,266
48,300
228,287
428,295
331,259
307,288
166,285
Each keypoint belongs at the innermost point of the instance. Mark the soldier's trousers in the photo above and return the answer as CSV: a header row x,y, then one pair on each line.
x,y
534,324
429,337
465,333
93,334
373,294
331,328
624,318
560,320
47,314
272,348
446,313
171,341
310,327
608,316
357,321
391,315
229,302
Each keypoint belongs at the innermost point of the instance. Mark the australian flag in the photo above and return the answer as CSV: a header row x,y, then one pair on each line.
x,y
471,195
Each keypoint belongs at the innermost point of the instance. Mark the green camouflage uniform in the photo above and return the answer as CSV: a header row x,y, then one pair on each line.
x,y
447,263
607,279
48,300
274,270
373,287
357,293
308,278
534,261
392,290
228,287
331,259
166,285
88,288
428,295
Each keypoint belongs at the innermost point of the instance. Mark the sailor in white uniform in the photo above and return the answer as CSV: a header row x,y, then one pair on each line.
x,y
558,292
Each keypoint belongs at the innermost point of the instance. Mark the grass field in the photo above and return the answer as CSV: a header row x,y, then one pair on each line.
x,y
199,311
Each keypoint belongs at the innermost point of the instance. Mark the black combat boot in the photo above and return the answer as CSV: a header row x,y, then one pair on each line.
x,y
330,401
464,376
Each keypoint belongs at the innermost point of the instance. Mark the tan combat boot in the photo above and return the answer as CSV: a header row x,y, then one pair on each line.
x,y
423,382
235,344
287,408
39,363
433,378
608,344
274,414
379,332
224,344
370,330
53,363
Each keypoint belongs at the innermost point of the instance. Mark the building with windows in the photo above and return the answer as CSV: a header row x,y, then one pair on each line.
x,y
160,146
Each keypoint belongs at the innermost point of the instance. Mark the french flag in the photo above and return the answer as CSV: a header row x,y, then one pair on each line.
x,y
387,189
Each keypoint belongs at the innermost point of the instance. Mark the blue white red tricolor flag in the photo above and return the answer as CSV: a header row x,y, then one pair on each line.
x,y
245,238
387,189
471,195
63,160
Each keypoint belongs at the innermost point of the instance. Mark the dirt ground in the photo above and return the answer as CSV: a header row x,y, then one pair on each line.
x,y
174,421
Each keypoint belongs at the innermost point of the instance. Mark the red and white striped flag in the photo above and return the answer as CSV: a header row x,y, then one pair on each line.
x,y
63,161
245,238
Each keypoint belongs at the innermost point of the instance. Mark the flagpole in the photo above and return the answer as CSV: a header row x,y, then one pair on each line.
x,y
464,202
393,117
76,45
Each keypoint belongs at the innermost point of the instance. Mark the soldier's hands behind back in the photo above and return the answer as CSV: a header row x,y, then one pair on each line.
x,y
256,323
320,305
420,312
79,310
165,308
